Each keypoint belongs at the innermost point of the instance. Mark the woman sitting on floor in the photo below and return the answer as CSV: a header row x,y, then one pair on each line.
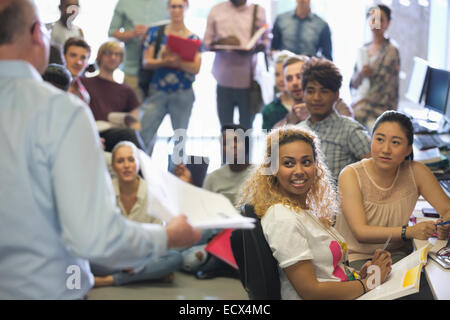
x,y
131,194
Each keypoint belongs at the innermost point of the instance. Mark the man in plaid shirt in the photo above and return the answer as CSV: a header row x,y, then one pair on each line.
x,y
343,140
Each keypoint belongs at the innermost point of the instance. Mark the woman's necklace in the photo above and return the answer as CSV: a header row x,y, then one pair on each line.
x,y
344,249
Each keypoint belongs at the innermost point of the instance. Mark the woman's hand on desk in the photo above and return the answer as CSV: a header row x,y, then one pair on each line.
x,y
442,231
421,231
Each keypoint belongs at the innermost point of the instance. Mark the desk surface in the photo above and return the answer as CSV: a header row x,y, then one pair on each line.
x,y
438,278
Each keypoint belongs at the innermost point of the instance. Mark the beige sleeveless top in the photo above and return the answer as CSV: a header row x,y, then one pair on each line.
x,y
384,207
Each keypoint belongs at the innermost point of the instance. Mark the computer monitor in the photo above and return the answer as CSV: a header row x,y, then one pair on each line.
x,y
444,125
417,81
437,90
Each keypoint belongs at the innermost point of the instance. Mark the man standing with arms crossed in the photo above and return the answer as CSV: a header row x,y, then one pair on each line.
x,y
58,205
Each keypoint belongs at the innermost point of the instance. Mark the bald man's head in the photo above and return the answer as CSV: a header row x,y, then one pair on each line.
x,y
22,35
15,17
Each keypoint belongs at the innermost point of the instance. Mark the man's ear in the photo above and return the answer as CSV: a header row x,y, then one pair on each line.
x,y
336,96
36,33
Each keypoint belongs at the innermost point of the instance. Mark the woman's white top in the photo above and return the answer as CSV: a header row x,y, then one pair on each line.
x,y
297,236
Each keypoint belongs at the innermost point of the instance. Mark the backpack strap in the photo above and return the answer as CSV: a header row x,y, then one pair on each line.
x,y
159,37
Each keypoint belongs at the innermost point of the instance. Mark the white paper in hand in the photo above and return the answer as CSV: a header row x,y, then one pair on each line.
x,y
169,196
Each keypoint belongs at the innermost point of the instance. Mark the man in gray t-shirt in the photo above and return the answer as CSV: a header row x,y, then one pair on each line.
x,y
228,179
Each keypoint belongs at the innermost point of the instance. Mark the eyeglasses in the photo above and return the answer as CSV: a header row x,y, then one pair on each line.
x,y
44,28
112,53
176,6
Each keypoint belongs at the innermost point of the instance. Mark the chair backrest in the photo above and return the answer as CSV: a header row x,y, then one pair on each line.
x,y
258,269
197,165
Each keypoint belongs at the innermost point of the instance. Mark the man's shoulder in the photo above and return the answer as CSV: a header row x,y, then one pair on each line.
x,y
319,20
52,101
44,90
347,122
220,6
87,81
285,15
125,4
220,172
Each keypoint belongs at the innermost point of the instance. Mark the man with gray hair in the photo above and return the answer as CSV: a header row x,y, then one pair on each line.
x,y
58,206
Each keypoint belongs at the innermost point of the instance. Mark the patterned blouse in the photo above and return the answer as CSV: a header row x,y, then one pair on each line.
x,y
383,92
167,79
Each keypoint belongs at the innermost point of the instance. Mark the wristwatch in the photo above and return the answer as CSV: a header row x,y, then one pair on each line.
x,y
404,232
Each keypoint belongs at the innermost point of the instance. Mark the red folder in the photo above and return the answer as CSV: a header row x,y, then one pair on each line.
x,y
220,246
184,47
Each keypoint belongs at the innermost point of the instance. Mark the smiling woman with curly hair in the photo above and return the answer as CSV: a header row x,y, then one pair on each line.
x,y
293,194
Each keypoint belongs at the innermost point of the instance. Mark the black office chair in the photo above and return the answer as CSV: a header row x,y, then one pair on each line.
x,y
258,269
197,165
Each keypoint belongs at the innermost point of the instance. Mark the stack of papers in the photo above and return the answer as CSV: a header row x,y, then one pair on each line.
x,y
169,196
427,156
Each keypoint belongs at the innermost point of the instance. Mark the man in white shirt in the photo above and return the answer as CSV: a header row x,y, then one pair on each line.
x,y
58,206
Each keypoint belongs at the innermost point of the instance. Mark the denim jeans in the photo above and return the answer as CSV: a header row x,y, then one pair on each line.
x,y
227,99
167,263
177,104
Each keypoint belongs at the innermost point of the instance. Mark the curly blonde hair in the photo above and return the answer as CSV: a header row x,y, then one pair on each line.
x,y
262,190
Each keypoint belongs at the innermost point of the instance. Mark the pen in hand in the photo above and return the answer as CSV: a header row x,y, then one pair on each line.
x,y
387,242
442,223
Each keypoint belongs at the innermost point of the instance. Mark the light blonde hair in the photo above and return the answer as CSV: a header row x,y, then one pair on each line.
x,y
263,190
129,144
109,46
282,55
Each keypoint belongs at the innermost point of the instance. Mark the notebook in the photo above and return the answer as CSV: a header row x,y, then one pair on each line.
x,y
184,47
404,278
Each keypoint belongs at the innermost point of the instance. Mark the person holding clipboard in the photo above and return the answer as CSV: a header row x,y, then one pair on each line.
x,y
171,87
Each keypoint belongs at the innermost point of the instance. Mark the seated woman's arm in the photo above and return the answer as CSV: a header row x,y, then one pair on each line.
x,y
432,191
353,210
303,278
